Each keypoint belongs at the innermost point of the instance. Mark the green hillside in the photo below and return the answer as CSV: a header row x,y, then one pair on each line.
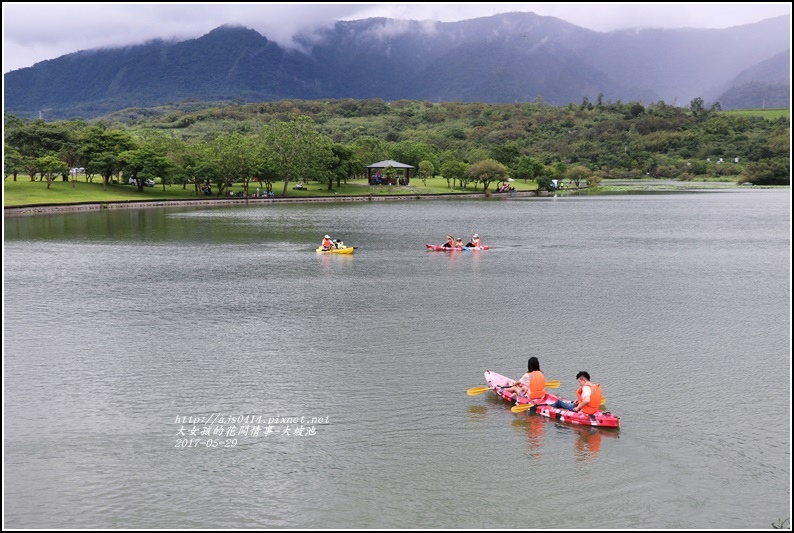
x,y
328,144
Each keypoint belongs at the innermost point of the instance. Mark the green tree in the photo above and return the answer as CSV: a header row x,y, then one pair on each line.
x,y
49,166
779,142
30,164
37,138
346,164
98,141
207,170
13,162
636,109
426,170
594,179
370,149
454,170
234,157
187,164
698,108
544,182
506,153
106,164
577,174
297,150
144,163
770,172
486,171
412,153
527,168
389,172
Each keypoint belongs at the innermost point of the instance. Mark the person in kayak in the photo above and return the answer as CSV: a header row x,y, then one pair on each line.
x,y
327,243
459,244
475,242
450,242
532,385
588,396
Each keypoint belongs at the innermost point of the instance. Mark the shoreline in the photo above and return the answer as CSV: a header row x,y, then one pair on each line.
x,y
615,187
43,209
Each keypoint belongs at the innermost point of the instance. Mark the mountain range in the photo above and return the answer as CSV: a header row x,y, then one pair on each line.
x,y
510,57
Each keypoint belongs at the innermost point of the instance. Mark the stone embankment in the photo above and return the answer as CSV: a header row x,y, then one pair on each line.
x,y
224,202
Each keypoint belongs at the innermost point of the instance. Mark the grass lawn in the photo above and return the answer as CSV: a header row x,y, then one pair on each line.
x,y
768,114
25,192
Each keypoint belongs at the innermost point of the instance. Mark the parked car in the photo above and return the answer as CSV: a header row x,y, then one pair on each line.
x,y
146,183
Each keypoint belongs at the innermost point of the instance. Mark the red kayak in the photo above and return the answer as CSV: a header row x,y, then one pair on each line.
x,y
497,382
437,248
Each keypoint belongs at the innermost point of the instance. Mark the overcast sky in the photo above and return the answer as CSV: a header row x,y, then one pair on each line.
x,y
34,32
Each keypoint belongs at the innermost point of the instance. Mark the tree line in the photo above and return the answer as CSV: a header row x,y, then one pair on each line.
x,y
329,141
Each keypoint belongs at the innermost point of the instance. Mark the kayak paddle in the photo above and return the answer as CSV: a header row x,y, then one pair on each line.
x,y
474,391
527,406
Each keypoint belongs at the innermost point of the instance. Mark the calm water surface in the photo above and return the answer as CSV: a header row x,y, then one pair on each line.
x,y
118,325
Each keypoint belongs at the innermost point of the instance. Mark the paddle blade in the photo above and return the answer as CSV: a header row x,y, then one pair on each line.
x,y
474,391
553,384
521,408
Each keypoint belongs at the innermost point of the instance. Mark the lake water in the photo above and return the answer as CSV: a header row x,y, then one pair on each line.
x,y
349,373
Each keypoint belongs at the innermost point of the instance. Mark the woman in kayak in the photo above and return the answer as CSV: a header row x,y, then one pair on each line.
x,y
327,243
532,385
450,242
588,396
459,244
475,242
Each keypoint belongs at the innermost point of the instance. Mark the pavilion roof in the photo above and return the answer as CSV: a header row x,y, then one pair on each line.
x,y
389,163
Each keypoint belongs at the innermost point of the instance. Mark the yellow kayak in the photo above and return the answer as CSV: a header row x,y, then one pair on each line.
x,y
343,250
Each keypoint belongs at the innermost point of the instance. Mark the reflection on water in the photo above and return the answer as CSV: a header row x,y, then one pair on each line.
x,y
477,412
588,443
534,426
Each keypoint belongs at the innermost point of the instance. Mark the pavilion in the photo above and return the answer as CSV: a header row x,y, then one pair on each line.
x,y
405,180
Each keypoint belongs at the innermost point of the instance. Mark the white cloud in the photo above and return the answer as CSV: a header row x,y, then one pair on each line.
x,y
34,32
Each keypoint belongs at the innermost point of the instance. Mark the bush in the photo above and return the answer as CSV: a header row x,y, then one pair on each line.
x,y
770,172
544,183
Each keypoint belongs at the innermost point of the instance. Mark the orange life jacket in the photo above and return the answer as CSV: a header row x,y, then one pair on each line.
x,y
327,243
476,242
595,398
537,385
